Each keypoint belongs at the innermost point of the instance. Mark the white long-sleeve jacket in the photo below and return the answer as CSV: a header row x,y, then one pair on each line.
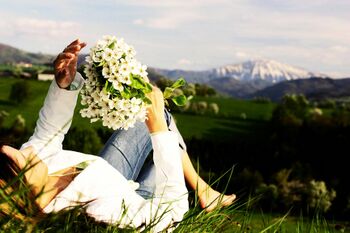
x,y
109,196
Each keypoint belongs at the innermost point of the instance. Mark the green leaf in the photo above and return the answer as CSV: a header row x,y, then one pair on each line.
x,y
179,100
179,83
105,88
112,45
147,101
166,103
137,82
126,93
148,88
168,92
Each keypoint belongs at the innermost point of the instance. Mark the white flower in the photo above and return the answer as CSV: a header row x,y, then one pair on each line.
x,y
106,72
125,79
118,85
113,64
101,44
108,54
124,69
109,39
114,60
97,56
88,59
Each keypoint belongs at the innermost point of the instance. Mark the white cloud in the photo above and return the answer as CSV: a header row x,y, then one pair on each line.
x,y
241,55
339,49
175,3
184,62
41,27
172,20
138,22
28,27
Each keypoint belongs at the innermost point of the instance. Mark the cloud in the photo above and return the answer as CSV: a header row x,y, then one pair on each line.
x,y
241,55
41,27
28,27
175,3
38,35
171,20
138,22
184,62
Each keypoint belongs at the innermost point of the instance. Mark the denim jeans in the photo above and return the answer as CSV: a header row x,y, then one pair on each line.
x,y
129,152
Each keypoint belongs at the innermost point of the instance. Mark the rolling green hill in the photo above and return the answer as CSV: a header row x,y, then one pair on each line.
x,y
228,123
10,54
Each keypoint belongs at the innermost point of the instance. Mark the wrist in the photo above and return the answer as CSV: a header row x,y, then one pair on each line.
x,y
156,125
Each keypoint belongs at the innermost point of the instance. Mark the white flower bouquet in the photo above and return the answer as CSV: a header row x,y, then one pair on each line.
x,y
117,84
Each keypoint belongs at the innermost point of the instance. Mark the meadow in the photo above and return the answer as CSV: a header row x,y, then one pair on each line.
x,y
236,117
237,120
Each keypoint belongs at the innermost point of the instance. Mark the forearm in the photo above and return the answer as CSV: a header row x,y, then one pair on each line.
x,y
54,119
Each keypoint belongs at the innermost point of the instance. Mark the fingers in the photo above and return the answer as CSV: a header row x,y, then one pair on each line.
x,y
77,42
63,60
69,54
75,46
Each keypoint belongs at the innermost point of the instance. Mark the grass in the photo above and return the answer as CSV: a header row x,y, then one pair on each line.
x,y
241,217
30,108
227,125
234,108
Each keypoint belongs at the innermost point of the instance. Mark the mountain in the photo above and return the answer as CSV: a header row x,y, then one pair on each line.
x,y
314,88
265,78
10,54
243,79
267,70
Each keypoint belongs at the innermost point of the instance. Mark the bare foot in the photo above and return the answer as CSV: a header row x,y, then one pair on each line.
x,y
211,199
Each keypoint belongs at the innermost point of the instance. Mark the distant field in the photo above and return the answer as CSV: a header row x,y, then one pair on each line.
x,y
227,125
236,107
30,108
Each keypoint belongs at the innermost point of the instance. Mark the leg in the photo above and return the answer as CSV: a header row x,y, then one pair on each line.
x,y
208,197
127,150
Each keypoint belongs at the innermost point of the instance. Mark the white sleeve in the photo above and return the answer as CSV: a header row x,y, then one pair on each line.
x,y
170,181
55,118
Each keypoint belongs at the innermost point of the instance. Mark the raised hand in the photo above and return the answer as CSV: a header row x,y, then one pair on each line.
x,y
65,64
155,113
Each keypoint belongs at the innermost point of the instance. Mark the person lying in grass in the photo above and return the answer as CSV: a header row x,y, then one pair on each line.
x,y
59,178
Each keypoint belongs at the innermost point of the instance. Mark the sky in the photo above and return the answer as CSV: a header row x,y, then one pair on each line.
x,y
191,34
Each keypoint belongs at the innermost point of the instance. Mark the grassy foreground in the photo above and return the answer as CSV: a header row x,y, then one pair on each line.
x,y
240,217
236,218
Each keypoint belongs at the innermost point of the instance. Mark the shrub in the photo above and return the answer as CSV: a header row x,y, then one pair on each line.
x,y
287,193
3,115
213,108
83,140
319,197
19,92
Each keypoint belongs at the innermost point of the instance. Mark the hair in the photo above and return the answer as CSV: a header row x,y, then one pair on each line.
x,y
16,197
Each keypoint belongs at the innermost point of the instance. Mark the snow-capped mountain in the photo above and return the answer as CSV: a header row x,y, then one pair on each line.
x,y
244,79
268,70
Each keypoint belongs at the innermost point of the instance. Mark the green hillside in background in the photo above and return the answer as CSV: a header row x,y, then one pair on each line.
x,y
10,54
235,118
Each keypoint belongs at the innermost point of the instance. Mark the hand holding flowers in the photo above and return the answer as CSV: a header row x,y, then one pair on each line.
x,y
117,85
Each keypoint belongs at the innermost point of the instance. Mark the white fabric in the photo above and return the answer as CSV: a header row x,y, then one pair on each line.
x,y
109,196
